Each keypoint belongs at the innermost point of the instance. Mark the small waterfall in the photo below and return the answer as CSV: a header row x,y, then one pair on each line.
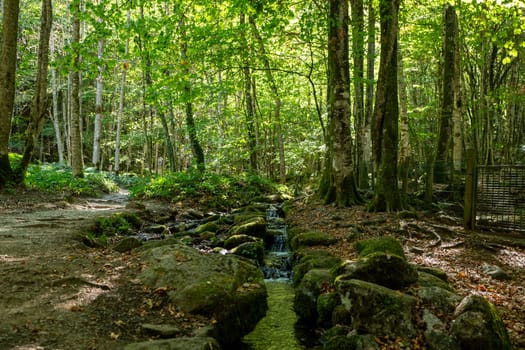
x,y
276,330
278,263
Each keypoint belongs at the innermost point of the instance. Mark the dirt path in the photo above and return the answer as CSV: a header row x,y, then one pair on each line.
x,y
49,279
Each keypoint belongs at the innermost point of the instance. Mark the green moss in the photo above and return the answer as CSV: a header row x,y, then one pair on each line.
x,y
386,244
310,259
120,223
326,303
311,238
209,226
341,343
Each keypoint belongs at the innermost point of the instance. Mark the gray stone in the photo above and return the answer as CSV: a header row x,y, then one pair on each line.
x,y
163,330
477,325
387,270
184,343
439,299
305,302
495,272
435,333
127,244
378,310
227,286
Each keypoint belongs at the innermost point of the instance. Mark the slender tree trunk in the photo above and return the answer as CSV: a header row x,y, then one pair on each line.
x,y
248,101
339,184
366,162
276,98
76,140
97,128
441,167
404,150
39,103
120,112
386,113
56,123
358,44
198,153
7,83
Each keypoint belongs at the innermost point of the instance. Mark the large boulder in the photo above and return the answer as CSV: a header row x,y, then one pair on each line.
x,y
390,271
254,226
378,310
477,325
306,260
385,244
311,238
228,287
311,286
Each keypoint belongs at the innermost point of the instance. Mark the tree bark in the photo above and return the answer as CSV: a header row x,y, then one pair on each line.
x,y
39,103
97,128
338,184
56,123
276,98
7,83
404,150
248,99
386,113
441,167
366,162
358,44
76,140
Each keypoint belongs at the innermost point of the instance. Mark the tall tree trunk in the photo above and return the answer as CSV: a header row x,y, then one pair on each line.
x,y
120,112
338,184
39,103
457,138
56,123
442,158
7,83
76,140
386,113
404,150
358,43
198,153
366,162
97,128
248,100
276,98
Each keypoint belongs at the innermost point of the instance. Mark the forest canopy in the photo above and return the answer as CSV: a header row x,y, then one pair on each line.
x,y
235,87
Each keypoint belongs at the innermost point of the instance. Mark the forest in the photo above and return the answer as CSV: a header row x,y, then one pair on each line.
x,y
352,126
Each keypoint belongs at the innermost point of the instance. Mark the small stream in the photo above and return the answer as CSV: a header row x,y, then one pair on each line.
x,y
276,331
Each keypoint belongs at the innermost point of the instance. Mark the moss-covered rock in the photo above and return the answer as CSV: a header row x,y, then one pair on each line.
x,y
310,259
228,287
477,325
391,271
387,244
326,304
442,275
235,240
311,286
255,226
429,280
182,343
311,238
378,310
341,316
441,300
208,226
250,250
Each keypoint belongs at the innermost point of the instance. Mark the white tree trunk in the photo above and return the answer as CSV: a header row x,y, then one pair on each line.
x,y
56,123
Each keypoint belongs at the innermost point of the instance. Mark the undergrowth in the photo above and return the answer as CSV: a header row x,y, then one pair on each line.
x,y
214,190
59,178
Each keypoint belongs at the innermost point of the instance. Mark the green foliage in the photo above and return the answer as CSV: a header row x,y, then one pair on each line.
x,y
120,223
215,190
58,178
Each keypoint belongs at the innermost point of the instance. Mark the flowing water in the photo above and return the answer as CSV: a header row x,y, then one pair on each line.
x,y
276,331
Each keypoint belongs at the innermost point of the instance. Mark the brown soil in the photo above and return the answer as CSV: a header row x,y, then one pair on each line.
x,y
439,241
59,294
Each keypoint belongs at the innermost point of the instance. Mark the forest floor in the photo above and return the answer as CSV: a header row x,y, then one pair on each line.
x,y
58,294
435,240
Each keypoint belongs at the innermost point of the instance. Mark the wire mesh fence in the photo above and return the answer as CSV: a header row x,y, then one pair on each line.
x,y
500,197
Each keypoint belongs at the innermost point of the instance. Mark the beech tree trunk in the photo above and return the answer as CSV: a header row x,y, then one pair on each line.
x,y
442,158
7,83
56,123
404,150
39,103
97,128
386,113
76,140
339,184
366,162
248,99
